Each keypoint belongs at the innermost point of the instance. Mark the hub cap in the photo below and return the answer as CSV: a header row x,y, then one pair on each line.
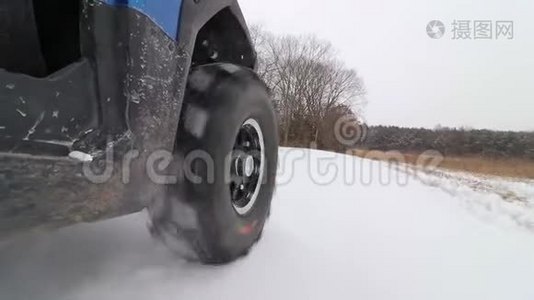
x,y
247,167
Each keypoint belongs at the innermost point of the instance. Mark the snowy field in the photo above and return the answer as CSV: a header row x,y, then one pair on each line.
x,y
341,228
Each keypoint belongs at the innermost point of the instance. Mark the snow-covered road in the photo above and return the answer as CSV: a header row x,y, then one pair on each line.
x,y
338,232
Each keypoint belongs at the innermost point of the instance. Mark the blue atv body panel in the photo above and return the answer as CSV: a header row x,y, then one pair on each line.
x,y
165,13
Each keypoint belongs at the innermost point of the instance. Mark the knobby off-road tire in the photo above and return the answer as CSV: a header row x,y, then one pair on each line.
x,y
227,140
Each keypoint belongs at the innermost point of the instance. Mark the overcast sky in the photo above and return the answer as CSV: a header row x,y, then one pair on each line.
x,y
413,80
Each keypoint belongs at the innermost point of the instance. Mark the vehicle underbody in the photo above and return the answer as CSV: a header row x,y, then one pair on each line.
x,y
114,85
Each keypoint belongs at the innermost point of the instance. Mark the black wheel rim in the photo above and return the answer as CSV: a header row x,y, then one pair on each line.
x,y
247,166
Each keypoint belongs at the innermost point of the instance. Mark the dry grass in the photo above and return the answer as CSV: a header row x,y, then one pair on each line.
x,y
512,167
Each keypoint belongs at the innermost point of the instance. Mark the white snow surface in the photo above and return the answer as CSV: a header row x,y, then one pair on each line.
x,y
435,236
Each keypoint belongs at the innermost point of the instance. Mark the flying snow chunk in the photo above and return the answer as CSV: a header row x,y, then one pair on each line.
x,y
81,156
196,120
200,81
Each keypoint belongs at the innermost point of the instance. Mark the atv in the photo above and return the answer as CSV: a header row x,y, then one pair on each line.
x,y
109,107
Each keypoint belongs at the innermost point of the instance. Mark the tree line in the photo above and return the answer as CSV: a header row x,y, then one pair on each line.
x,y
451,141
313,90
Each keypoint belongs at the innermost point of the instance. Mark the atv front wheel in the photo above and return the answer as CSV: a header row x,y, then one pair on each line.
x,y
228,143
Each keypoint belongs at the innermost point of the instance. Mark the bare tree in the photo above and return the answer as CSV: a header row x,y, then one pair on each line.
x,y
307,81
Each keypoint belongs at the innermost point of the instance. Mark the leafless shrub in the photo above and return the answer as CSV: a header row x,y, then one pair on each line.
x,y
310,86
